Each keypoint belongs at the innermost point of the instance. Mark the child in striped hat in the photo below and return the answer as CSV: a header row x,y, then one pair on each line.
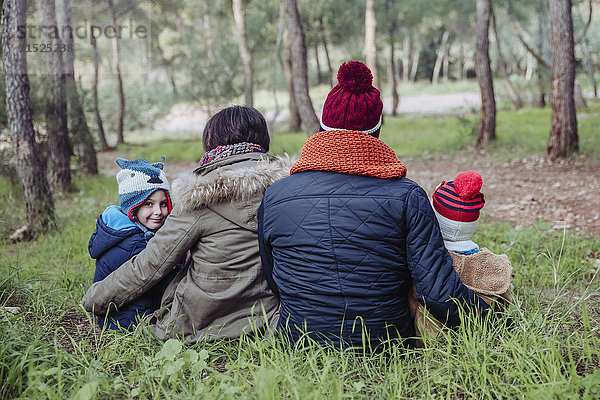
x,y
457,205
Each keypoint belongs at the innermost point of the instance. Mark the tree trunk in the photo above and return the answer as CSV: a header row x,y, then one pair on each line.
x,y
530,65
461,62
487,123
242,39
446,65
440,56
588,64
326,48
34,186
392,67
286,62
542,34
578,95
171,76
509,87
406,57
466,63
116,50
416,53
80,132
277,60
563,141
319,76
299,69
101,133
370,43
59,149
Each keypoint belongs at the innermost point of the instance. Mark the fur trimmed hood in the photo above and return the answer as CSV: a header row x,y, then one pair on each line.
x,y
235,181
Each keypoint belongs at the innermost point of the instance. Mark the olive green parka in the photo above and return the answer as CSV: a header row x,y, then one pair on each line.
x,y
221,290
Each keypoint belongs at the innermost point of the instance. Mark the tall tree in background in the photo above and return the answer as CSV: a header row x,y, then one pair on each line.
x,y
389,5
99,123
101,134
286,62
441,56
588,64
542,34
36,194
239,16
563,140
82,140
299,68
59,149
370,49
539,54
326,48
487,123
509,87
117,53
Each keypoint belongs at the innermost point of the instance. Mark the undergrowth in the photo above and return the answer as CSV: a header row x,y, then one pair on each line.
x,y
50,350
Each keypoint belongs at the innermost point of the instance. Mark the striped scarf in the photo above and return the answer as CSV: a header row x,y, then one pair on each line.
x,y
227,150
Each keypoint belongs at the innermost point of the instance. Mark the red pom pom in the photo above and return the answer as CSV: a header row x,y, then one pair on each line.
x,y
468,184
355,77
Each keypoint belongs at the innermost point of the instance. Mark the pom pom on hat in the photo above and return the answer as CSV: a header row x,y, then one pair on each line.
x,y
460,200
354,103
355,77
468,184
137,180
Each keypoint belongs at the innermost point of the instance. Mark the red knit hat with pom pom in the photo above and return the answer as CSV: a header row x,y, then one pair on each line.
x,y
354,103
461,199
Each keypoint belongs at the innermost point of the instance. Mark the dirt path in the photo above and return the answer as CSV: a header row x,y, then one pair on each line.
x,y
192,119
434,103
520,191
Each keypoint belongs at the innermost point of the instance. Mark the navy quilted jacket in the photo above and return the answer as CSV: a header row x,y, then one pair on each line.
x,y
343,250
115,241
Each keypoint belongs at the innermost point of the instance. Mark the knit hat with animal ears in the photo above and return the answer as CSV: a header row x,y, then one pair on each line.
x,y
137,180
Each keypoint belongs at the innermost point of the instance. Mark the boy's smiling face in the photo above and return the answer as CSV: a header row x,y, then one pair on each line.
x,y
153,212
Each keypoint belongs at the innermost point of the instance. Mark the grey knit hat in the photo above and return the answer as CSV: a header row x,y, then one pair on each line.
x,y
137,180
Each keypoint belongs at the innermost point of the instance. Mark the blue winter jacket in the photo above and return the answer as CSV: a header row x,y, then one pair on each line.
x,y
115,241
343,251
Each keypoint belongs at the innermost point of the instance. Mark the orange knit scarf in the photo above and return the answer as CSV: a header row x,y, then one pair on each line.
x,y
349,152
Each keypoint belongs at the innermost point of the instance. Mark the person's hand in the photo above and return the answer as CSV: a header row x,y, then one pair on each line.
x,y
88,301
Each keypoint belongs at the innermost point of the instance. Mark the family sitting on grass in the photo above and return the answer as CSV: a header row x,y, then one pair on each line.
x,y
341,248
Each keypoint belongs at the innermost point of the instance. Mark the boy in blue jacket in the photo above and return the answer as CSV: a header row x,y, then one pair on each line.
x,y
123,231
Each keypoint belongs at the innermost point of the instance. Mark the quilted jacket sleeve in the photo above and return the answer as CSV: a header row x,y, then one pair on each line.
x,y
140,273
438,286
265,248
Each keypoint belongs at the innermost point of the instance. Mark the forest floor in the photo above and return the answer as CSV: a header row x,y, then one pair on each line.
x,y
521,191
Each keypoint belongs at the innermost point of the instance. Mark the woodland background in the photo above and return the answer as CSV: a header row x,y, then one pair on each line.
x,y
171,64
504,87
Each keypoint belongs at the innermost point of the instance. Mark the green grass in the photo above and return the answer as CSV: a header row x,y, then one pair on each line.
x,y
174,150
191,150
48,351
552,352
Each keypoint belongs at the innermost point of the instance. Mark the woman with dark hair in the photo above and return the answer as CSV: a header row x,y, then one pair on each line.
x,y
221,290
